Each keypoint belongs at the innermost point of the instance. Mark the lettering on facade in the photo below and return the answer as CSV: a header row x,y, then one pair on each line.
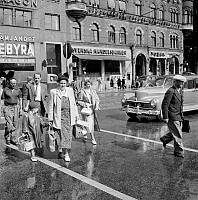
x,y
15,38
154,54
90,51
20,3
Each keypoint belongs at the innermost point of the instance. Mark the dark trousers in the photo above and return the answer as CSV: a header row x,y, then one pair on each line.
x,y
175,133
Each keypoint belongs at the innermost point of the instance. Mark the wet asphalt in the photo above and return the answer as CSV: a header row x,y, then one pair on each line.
x,y
139,168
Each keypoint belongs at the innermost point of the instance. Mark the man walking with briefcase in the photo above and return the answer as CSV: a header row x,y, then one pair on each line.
x,y
172,110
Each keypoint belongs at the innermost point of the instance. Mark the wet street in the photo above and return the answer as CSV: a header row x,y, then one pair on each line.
x,y
128,162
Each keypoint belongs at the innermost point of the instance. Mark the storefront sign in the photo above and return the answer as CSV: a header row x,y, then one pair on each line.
x,y
158,54
15,38
20,3
17,60
99,51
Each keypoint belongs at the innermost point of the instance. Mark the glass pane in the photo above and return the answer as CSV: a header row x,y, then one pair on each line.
x,y
8,16
19,18
1,15
55,23
48,22
27,19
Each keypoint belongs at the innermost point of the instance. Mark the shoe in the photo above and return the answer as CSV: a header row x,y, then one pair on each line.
x,y
180,155
8,142
34,159
60,155
67,158
164,144
94,142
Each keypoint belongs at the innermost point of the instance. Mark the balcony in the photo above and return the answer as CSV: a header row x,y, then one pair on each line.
x,y
187,27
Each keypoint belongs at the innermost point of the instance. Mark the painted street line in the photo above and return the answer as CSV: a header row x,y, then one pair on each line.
x,y
145,139
80,177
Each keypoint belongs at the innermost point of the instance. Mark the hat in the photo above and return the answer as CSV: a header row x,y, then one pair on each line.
x,y
29,78
179,78
62,77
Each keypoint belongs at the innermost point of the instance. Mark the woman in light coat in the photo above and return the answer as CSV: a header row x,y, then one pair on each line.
x,y
62,115
89,98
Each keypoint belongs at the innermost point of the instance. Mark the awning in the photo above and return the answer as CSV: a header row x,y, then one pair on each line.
x,y
101,57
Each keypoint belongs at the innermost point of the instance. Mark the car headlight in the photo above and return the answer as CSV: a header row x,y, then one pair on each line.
x,y
153,102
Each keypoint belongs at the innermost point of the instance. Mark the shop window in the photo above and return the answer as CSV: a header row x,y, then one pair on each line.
x,y
138,37
161,13
94,3
153,39
6,16
138,7
152,11
161,38
111,4
174,42
111,34
122,5
76,31
52,22
95,32
23,18
174,16
122,36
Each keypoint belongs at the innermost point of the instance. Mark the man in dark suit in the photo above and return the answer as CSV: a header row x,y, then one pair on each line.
x,y
36,92
172,110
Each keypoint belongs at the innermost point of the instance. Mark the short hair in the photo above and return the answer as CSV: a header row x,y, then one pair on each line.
x,y
60,78
37,73
12,78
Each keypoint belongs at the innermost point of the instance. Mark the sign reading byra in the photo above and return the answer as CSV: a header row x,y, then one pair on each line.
x,y
20,3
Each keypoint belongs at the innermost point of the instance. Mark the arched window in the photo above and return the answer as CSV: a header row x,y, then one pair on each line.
x,y
161,38
111,34
122,36
94,3
153,39
138,37
174,16
174,41
161,13
76,31
186,17
152,11
95,32
138,7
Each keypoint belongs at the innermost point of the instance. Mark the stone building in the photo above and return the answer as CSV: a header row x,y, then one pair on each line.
x,y
126,38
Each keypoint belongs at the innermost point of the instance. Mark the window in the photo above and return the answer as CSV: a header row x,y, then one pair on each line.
x,y
122,36
152,11
6,16
122,6
76,31
23,18
52,22
174,42
138,37
111,35
161,13
153,38
138,7
161,38
187,17
94,3
174,16
95,32
111,4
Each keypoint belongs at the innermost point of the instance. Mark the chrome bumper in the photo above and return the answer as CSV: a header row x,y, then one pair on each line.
x,y
142,112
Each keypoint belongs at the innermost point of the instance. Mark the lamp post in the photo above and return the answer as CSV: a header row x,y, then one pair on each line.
x,y
132,47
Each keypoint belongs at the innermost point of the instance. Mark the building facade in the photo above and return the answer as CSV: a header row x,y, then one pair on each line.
x,y
127,38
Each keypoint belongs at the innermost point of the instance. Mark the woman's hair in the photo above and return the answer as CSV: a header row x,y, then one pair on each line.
x,y
62,77
87,81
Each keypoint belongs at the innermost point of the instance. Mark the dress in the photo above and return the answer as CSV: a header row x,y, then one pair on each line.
x,y
64,136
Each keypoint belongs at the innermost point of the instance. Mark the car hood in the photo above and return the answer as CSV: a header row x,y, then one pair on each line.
x,y
147,94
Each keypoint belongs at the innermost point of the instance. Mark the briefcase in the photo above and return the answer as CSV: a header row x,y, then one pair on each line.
x,y
186,126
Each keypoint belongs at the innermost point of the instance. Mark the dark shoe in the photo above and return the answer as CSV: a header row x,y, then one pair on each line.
x,y
60,155
164,144
179,155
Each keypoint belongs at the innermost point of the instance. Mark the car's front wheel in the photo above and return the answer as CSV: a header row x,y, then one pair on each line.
x,y
132,115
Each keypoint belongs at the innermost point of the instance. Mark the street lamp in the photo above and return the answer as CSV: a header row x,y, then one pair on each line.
x,y
132,47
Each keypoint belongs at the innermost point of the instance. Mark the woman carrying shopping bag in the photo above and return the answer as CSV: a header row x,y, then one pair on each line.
x,y
89,102
62,115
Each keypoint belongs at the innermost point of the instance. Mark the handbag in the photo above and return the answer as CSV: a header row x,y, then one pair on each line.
x,y
86,111
186,126
52,139
24,143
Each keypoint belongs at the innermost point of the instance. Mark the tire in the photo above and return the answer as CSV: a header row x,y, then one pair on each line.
x,y
132,116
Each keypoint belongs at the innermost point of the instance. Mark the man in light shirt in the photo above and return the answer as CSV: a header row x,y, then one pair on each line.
x,y
36,92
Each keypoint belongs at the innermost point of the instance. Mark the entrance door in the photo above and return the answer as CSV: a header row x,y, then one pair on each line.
x,y
140,67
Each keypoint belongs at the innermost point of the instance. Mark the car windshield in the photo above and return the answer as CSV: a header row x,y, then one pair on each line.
x,y
163,81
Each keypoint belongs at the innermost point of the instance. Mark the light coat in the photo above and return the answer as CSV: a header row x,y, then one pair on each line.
x,y
54,111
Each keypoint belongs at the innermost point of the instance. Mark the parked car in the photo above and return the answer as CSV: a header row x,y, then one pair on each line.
x,y
147,101
145,81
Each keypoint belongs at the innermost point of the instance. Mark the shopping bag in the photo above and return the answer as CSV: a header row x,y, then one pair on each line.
x,y
186,126
82,123
52,139
24,143
86,111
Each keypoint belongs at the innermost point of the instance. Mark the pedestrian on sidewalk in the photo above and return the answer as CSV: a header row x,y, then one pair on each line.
x,y
172,110
119,82
12,109
88,98
63,114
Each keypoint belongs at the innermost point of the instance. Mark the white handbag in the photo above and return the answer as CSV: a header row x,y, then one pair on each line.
x,y
86,111
82,123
